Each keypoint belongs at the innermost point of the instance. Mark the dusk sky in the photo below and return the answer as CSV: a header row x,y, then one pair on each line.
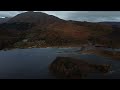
x,y
92,16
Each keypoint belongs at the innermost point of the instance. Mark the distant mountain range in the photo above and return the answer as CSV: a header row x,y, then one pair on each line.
x,y
40,29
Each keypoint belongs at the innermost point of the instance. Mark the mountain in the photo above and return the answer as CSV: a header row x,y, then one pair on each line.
x,y
50,25
35,17
40,29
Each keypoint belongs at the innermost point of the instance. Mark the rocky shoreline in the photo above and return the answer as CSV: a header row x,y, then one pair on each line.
x,y
111,54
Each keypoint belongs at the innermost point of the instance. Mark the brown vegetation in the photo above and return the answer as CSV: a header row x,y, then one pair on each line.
x,y
70,68
37,27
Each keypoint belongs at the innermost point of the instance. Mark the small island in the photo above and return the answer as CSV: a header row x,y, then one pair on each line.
x,y
70,68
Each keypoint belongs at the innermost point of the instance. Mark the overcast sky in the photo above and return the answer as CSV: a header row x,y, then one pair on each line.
x,y
93,16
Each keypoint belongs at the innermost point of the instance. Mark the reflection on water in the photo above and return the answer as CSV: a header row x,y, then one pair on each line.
x,y
34,63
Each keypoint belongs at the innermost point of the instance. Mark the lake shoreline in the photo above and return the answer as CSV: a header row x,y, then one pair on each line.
x,y
111,54
82,46
43,47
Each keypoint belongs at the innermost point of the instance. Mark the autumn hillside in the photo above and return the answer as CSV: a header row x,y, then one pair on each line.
x,y
39,29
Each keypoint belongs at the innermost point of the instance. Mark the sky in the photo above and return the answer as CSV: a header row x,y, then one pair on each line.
x,y
91,16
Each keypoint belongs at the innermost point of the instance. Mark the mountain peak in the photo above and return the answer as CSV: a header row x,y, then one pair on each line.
x,y
34,17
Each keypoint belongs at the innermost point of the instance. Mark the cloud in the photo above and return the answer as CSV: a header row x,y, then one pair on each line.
x,y
65,14
93,16
9,13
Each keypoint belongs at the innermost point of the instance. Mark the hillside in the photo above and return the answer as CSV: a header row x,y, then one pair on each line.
x,y
39,29
4,20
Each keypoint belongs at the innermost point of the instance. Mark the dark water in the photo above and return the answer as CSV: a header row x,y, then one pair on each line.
x,y
34,63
